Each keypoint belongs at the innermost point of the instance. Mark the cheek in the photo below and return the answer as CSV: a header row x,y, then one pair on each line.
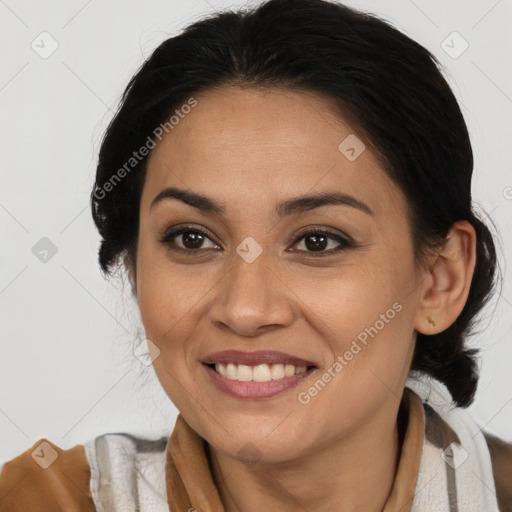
x,y
350,298
365,313
167,294
365,322
169,299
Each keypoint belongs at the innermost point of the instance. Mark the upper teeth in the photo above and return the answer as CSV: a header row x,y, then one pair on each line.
x,y
259,373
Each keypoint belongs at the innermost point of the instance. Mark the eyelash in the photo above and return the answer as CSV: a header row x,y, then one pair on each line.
x,y
345,243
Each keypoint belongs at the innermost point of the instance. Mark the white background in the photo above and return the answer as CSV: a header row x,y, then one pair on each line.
x,y
67,372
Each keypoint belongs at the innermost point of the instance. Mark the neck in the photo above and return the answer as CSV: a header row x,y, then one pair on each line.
x,y
356,472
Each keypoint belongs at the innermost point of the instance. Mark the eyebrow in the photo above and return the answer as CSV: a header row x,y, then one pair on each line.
x,y
289,207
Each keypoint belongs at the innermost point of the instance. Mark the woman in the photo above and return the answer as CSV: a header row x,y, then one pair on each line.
x,y
289,189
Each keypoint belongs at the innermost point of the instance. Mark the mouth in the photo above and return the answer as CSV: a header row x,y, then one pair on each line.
x,y
261,366
256,374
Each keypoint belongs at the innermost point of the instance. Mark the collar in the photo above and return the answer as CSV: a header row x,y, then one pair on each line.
x,y
190,484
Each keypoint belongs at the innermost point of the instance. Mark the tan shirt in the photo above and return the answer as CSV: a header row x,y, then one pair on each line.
x,y
65,485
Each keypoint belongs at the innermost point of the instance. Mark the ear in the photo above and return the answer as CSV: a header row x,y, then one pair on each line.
x,y
446,287
131,269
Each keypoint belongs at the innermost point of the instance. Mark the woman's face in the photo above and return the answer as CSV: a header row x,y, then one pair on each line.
x,y
345,306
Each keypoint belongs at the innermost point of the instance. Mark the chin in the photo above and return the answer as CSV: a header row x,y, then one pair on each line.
x,y
255,446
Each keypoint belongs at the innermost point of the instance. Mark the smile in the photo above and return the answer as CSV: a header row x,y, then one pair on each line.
x,y
259,373
256,375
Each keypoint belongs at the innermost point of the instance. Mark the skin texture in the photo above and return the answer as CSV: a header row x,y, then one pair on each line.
x,y
250,150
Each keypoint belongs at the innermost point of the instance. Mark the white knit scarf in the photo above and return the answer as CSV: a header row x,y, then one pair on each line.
x,y
455,473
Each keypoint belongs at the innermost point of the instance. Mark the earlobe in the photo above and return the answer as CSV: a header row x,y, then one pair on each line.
x,y
447,289
431,321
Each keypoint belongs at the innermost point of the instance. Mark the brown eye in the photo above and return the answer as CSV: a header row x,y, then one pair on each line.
x,y
192,240
318,241
187,239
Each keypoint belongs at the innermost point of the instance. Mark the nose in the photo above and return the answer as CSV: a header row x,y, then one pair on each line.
x,y
252,299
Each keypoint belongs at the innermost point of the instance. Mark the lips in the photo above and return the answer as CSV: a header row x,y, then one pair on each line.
x,y
255,358
256,375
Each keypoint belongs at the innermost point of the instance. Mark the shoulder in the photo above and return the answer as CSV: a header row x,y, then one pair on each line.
x,y
501,458
46,477
119,471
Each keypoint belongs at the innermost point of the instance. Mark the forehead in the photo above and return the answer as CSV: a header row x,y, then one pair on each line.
x,y
264,143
